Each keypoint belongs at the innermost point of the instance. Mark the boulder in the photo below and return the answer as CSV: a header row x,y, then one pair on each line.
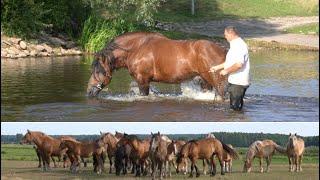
x,y
47,48
40,48
23,45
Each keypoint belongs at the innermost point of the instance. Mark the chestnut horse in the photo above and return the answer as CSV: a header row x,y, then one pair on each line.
x,y
295,150
158,153
140,151
78,150
173,150
46,146
204,149
261,149
111,143
152,57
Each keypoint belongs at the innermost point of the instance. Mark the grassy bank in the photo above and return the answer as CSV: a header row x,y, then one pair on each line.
x,y
180,10
312,28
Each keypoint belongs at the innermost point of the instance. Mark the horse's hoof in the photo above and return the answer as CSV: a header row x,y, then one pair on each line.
x,y
198,174
191,176
222,173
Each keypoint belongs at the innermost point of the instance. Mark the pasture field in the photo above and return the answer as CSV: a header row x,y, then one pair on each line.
x,y
180,10
305,29
19,161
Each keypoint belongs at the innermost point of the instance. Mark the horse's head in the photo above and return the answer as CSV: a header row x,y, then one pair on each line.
x,y
247,166
292,139
154,143
101,72
63,145
222,85
27,138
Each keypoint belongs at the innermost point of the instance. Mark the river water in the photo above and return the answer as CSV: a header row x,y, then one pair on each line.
x,y
285,87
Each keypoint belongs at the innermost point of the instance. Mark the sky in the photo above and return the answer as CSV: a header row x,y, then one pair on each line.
x,y
76,128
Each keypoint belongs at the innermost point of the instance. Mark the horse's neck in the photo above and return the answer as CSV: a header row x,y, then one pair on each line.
x,y
112,141
251,153
37,140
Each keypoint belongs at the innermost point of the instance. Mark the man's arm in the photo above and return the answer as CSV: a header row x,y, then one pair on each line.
x,y
235,67
216,68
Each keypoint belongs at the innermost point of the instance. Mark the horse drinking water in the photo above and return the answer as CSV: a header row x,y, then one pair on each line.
x,y
152,57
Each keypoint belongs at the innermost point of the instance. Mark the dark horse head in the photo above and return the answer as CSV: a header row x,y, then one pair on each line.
x,y
102,67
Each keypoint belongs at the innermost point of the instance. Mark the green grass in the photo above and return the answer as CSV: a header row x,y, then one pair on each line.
x,y
27,153
21,161
180,10
312,28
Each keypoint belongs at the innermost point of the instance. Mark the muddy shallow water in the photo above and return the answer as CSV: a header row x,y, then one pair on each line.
x,y
285,87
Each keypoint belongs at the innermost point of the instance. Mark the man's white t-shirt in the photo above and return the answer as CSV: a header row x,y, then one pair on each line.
x,y
238,53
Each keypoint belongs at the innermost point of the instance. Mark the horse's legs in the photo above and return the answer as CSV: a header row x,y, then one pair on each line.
x,y
221,163
110,162
300,161
213,166
54,162
208,78
197,170
261,168
204,166
230,166
192,167
296,157
39,156
268,159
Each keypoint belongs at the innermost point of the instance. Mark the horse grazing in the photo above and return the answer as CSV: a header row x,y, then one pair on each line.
x,y
204,149
152,57
295,150
158,153
111,144
227,159
261,149
140,151
172,151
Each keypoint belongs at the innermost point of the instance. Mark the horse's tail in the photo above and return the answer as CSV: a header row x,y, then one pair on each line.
x,y
280,149
230,151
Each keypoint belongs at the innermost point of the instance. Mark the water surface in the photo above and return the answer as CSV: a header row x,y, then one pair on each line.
x,y
285,87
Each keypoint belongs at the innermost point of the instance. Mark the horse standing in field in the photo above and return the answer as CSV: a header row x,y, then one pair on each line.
x,y
295,150
47,146
78,150
158,154
261,149
204,149
227,159
152,57
140,152
173,150
111,141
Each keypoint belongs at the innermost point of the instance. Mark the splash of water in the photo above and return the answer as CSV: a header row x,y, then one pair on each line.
x,y
189,90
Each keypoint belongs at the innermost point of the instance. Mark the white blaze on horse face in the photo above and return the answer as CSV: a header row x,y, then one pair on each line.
x,y
175,148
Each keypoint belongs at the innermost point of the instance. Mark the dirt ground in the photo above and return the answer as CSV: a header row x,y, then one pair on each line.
x,y
270,30
28,170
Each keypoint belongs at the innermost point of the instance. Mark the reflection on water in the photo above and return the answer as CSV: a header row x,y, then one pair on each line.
x,y
285,86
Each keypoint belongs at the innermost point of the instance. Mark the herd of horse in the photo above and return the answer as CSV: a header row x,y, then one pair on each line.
x,y
156,154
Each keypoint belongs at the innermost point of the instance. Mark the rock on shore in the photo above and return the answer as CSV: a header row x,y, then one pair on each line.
x,y
44,45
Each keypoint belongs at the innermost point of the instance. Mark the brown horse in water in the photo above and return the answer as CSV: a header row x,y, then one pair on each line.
x,y
295,150
152,57
46,146
261,149
204,149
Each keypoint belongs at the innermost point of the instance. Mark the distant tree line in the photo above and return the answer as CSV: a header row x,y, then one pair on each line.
x,y
236,139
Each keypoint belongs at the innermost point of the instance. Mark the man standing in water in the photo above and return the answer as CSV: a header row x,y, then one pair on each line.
x,y
237,66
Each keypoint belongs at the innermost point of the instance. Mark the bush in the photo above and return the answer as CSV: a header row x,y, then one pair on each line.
x,y
97,32
21,17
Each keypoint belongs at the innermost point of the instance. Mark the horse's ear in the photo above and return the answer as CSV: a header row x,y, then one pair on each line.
x,y
28,131
295,134
101,133
151,134
289,134
158,133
